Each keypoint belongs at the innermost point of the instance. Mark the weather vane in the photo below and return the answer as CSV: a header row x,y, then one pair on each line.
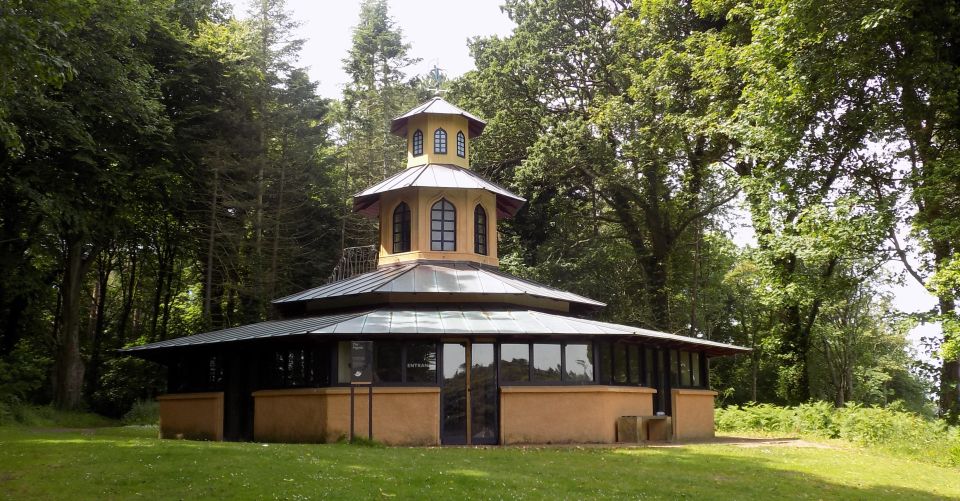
x,y
437,78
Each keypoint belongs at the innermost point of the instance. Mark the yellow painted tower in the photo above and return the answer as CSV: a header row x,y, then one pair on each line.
x,y
437,209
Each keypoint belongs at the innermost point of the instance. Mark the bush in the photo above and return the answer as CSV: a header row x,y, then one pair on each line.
x,y
890,428
143,412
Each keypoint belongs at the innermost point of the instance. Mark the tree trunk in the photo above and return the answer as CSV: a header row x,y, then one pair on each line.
x,y
657,290
68,366
105,266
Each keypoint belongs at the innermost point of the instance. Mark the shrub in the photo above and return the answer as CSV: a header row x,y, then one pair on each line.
x,y
890,428
143,412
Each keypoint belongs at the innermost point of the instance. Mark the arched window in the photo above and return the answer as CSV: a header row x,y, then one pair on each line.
x,y
480,230
440,141
461,145
443,226
417,143
401,228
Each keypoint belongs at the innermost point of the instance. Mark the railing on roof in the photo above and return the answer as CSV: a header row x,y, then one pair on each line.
x,y
355,261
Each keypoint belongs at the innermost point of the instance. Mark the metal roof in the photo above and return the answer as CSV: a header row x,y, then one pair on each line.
x,y
274,328
436,176
437,106
437,322
437,277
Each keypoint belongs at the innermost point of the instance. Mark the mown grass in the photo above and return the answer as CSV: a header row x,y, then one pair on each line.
x,y
129,462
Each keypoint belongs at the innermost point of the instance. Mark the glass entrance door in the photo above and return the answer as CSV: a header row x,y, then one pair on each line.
x,y
468,398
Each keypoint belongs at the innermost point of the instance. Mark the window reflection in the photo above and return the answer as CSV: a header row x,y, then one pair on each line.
x,y
546,362
579,363
619,363
421,363
387,361
684,368
515,362
695,368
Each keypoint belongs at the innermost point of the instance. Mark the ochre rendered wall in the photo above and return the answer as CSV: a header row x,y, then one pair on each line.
x,y
401,415
692,414
428,125
420,201
192,415
568,414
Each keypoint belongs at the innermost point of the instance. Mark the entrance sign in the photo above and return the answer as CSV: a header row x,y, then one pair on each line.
x,y
361,362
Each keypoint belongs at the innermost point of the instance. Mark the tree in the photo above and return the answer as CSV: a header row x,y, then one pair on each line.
x,y
607,106
375,95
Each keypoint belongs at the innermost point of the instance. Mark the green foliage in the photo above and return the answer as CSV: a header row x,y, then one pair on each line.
x,y
22,373
126,381
143,412
48,417
891,428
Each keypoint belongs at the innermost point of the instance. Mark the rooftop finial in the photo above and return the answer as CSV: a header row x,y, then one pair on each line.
x,y
437,78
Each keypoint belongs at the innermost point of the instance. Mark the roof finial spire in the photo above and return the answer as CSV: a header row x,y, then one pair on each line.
x,y
437,78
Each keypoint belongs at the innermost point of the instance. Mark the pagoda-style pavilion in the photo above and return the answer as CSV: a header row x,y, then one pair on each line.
x,y
458,351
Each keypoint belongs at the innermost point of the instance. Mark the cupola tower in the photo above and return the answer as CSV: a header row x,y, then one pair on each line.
x,y
437,209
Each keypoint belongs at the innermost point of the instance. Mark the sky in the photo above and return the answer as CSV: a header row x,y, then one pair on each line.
x,y
437,31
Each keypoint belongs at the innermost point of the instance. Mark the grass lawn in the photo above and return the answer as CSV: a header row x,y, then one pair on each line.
x,y
124,463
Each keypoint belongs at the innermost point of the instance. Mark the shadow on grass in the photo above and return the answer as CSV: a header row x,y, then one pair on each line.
x,y
125,463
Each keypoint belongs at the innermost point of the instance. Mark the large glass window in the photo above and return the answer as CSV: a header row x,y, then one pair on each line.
x,y
619,363
648,367
605,368
421,362
684,368
196,373
695,369
480,230
440,141
546,362
417,143
401,228
578,363
297,367
343,362
515,363
633,363
461,145
388,362
443,226
674,368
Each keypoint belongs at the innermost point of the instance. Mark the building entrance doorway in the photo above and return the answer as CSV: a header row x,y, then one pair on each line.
x,y
468,398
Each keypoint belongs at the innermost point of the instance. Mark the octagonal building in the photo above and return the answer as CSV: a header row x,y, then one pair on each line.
x,y
436,345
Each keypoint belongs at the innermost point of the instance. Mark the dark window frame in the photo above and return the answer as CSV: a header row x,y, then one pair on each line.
x,y
440,141
296,365
480,230
401,228
443,210
461,145
417,143
697,374
531,380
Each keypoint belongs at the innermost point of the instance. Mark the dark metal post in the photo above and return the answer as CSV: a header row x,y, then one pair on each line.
x,y
351,412
370,413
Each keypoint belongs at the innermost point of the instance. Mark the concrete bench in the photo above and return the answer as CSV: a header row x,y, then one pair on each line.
x,y
641,429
